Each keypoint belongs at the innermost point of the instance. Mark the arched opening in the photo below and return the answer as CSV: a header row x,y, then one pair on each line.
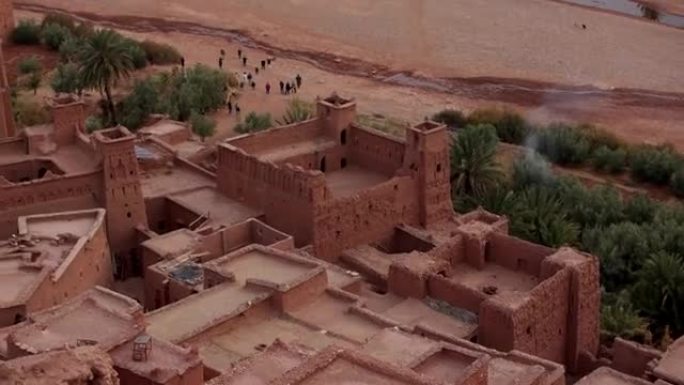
x,y
343,137
323,164
18,318
343,162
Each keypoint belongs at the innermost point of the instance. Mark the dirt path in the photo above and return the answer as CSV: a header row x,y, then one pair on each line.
x,y
637,115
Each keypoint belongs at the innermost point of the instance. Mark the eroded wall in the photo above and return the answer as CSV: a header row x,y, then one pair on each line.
x,y
375,151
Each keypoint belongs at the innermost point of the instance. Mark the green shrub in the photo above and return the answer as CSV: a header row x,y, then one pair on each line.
x,y
29,65
93,123
598,137
137,54
510,126
563,144
202,90
26,33
60,19
202,125
84,30
160,54
138,105
70,49
254,122
33,81
641,209
677,183
66,78
452,118
53,35
29,112
606,160
297,111
654,164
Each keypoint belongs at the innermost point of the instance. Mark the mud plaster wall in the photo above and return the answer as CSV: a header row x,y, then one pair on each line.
x,y
285,194
28,170
279,136
538,326
160,290
632,358
455,294
367,217
68,120
6,18
192,376
374,151
92,266
8,315
302,294
47,196
516,254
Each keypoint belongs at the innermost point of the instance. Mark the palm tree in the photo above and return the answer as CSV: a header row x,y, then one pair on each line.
x,y
544,219
660,289
473,164
104,60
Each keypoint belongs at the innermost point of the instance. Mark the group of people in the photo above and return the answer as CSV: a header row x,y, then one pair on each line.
x,y
291,87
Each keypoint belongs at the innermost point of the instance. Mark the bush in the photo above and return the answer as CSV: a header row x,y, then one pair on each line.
x,y
138,105
70,49
607,160
452,118
137,54
510,126
599,138
93,123
201,90
654,164
84,30
563,144
254,122
677,183
160,54
26,33
66,79
60,19
33,81
532,170
202,125
297,111
30,113
53,35
641,209
29,65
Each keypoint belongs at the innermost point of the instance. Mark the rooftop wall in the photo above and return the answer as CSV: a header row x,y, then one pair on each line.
x,y
516,254
278,136
286,194
375,150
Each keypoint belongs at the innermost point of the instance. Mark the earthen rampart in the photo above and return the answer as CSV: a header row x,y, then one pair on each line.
x,y
278,137
375,150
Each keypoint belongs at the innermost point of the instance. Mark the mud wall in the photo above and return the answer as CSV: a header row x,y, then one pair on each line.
x,y
369,216
6,18
47,195
91,266
277,137
516,254
286,194
301,294
536,324
455,294
376,151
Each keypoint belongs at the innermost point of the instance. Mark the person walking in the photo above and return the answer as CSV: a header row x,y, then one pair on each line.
x,y
268,61
249,77
263,64
287,88
282,87
256,70
182,62
237,109
221,62
239,53
294,87
268,88
230,107
253,85
299,81
244,61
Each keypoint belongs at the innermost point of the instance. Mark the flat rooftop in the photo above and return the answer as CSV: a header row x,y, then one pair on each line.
x,y
671,365
74,320
72,159
351,180
493,275
191,315
164,362
169,180
221,210
173,243
258,263
608,376
163,127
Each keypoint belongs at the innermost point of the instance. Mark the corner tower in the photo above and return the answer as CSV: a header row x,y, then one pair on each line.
x,y
427,157
337,114
123,196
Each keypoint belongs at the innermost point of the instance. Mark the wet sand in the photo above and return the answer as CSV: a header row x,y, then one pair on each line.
x,y
379,79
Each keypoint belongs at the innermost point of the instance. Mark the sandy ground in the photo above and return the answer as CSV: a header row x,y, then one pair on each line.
x,y
339,48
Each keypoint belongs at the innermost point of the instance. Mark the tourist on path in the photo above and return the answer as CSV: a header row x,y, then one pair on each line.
x,y
230,107
263,64
268,88
299,81
256,70
253,85
282,87
221,62
249,77
239,53
244,61
182,62
237,109
287,88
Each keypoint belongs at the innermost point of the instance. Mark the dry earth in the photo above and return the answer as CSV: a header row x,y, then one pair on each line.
x,y
409,58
